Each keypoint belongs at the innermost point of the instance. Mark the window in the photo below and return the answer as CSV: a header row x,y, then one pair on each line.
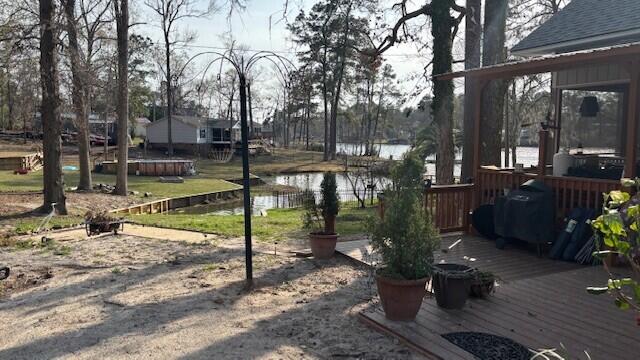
x,y
216,134
203,133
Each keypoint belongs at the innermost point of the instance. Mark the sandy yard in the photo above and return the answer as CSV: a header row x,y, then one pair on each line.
x,y
131,297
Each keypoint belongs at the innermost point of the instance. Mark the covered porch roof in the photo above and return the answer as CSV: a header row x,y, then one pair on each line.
x,y
626,56
551,63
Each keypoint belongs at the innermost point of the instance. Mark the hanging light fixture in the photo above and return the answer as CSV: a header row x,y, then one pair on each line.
x,y
589,107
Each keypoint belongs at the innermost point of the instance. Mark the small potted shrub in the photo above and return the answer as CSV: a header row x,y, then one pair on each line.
x,y
405,238
320,218
482,284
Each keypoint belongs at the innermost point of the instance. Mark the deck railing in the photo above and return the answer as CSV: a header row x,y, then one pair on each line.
x,y
449,206
569,192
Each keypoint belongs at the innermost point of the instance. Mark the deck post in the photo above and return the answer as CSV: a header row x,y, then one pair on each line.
x,y
557,104
542,151
632,118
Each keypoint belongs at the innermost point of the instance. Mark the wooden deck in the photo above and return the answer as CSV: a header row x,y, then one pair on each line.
x,y
539,303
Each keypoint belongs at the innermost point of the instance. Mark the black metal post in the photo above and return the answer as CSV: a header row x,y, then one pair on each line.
x,y
244,131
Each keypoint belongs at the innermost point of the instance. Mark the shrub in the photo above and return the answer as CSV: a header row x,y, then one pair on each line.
x,y
320,217
405,237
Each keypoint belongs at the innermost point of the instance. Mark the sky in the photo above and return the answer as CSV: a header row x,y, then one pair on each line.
x,y
261,27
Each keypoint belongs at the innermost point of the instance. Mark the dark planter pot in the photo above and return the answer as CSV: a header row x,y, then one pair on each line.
x,y
401,299
482,287
452,283
323,245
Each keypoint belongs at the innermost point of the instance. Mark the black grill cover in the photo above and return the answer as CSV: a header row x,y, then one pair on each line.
x,y
526,214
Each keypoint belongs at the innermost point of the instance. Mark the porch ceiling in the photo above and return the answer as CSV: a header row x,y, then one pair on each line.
x,y
551,63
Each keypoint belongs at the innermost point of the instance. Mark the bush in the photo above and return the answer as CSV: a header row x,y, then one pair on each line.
x,y
330,202
405,237
320,217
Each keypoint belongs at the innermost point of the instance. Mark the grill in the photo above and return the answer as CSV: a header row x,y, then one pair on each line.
x,y
526,214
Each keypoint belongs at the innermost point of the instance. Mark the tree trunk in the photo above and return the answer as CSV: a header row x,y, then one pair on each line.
x,y
167,52
442,105
53,180
79,91
250,109
333,133
10,100
493,96
473,34
122,22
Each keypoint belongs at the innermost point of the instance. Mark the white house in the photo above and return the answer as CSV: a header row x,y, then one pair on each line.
x,y
191,133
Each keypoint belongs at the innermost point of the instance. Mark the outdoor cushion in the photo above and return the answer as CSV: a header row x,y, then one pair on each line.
x,y
580,235
564,238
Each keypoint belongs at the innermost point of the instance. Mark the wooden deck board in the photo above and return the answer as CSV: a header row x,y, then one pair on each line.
x,y
540,303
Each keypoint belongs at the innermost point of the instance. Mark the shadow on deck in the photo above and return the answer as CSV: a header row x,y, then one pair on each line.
x,y
539,303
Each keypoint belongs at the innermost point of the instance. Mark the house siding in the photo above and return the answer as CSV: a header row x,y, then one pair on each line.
x,y
606,74
181,133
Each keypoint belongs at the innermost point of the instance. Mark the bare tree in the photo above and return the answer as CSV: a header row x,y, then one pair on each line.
x,y
53,180
170,12
121,10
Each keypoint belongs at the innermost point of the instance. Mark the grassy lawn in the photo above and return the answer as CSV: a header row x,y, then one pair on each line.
x,y
30,224
142,184
277,225
282,161
209,178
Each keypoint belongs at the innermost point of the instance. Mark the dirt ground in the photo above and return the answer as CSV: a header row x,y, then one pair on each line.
x,y
128,296
77,202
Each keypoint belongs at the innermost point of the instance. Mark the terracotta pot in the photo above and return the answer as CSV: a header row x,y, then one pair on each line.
x,y
323,245
401,299
451,284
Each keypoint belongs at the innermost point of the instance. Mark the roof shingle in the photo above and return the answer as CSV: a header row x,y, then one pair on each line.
x,y
584,19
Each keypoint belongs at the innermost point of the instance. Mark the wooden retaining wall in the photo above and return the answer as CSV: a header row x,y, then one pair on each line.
x,y
164,205
29,162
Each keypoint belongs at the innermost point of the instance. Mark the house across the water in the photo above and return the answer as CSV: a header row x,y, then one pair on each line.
x,y
192,133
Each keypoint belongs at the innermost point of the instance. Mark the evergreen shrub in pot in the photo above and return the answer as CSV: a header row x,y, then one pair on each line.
x,y
405,238
320,218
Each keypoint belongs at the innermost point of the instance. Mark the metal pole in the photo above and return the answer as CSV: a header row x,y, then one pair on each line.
x,y
244,131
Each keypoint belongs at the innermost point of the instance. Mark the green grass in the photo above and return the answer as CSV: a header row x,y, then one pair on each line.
x,y
51,246
279,224
30,224
142,184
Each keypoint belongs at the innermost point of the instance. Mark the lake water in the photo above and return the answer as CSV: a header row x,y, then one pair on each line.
x,y
262,203
528,156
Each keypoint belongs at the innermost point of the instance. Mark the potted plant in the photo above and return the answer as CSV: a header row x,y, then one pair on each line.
x,y
405,238
482,284
320,218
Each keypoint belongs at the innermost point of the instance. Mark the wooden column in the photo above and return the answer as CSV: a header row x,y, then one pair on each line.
x,y
557,103
543,136
632,121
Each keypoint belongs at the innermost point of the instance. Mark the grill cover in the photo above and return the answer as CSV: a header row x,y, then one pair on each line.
x,y
526,214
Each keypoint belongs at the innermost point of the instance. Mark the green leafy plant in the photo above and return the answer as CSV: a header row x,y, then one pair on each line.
x,y
321,216
405,237
618,229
